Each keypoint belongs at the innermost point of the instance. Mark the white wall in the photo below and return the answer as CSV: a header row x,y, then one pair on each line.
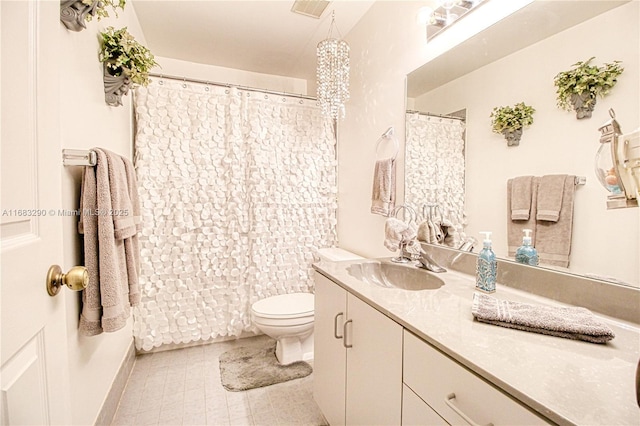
x,y
179,68
387,44
557,142
86,122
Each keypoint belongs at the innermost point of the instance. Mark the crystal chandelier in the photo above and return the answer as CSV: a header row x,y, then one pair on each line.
x,y
333,74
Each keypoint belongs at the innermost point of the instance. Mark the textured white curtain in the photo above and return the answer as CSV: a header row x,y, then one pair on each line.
x,y
434,168
238,188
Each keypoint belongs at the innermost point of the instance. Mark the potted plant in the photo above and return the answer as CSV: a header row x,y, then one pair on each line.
x,y
74,13
510,121
578,87
125,62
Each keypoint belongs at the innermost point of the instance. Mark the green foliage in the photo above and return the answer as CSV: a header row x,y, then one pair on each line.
x,y
123,54
100,9
511,118
585,78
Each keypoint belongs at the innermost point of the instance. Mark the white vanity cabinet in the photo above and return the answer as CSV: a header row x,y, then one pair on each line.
x,y
357,359
457,395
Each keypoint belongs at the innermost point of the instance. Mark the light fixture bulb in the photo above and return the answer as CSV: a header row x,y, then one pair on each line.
x,y
424,15
449,4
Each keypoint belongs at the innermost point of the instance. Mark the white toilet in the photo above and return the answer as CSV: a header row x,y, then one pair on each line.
x,y
288,318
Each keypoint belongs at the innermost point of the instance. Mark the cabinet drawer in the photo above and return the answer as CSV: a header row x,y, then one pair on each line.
x,y
455,392
416,412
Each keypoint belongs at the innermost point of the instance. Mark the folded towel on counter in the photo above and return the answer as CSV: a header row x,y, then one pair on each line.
x,y
515,228
521,197
112,262
569,322
550,193
383,196
553,239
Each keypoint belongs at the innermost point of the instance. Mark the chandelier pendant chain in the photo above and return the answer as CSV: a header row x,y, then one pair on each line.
x,y
333,73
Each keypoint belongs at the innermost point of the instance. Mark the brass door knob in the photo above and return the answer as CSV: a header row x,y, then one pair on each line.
x,y
76,279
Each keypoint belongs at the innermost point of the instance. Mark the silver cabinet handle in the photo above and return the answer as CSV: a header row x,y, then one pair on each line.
x,y
449,401
344,333
335,325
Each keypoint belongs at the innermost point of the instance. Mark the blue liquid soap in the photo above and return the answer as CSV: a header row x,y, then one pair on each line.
x,y
486,267
526,253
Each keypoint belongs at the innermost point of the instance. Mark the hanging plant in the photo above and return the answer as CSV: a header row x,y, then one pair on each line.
x,y
510,121
125,62
74,13
578,87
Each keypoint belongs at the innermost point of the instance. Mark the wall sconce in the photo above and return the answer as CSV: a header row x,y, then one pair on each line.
x,y
618,164
445,14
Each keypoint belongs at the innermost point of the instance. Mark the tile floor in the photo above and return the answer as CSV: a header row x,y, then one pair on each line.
x,y
182,387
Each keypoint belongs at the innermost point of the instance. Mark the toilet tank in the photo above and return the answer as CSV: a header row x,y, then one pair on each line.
x,y
336,254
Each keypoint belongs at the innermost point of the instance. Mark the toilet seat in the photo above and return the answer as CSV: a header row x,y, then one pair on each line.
x,y
285,306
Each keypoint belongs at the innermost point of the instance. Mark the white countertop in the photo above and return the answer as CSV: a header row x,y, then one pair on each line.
x,y
567,381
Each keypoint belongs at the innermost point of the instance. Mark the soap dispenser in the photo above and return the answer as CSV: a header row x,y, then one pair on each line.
x,y
526,253
486,267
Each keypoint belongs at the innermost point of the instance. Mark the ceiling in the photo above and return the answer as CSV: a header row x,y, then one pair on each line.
x,y
260,36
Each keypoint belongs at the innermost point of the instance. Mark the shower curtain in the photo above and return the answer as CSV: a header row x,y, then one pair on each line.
x,y
238,189
434,169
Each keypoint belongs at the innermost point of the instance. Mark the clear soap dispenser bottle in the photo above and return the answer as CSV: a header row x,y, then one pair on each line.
x,y
486,267
526,253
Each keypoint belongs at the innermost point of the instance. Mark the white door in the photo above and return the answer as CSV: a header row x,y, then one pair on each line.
x,y
33,364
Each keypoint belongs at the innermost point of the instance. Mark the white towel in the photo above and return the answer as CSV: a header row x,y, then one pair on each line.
x,y
383,195
397,232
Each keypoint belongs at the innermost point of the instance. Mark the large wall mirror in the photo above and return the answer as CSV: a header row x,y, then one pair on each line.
x,y
515,60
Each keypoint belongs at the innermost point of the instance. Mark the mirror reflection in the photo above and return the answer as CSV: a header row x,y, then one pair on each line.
x,y
511,62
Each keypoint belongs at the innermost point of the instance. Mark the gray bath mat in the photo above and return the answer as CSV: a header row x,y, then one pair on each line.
x,y
247,368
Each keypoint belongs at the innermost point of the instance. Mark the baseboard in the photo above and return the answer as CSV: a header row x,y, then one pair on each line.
x,y
172,346
110,405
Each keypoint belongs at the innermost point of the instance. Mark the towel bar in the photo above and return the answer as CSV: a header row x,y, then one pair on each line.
x,y
79,157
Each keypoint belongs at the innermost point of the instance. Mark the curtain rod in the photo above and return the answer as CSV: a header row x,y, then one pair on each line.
x,y
430,114
214,83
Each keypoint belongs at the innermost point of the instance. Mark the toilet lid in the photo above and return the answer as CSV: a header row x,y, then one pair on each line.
x,y
285,305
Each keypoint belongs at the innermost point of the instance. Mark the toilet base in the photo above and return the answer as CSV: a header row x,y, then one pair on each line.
x,y
293,349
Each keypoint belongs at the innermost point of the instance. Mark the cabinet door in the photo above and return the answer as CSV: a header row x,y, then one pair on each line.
x,y
329,363
374,366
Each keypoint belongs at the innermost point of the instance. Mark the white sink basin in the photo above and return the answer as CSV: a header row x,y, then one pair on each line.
x,y
394,275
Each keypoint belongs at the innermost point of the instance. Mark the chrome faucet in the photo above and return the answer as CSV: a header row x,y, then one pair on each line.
x,y
424,261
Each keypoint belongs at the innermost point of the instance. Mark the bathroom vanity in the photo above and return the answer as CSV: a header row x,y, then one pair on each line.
x,y
395,356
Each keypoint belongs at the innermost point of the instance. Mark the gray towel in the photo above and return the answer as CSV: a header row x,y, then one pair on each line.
x,y
383,195
569,322
112,262
553,239
521,197
550,193
515,227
